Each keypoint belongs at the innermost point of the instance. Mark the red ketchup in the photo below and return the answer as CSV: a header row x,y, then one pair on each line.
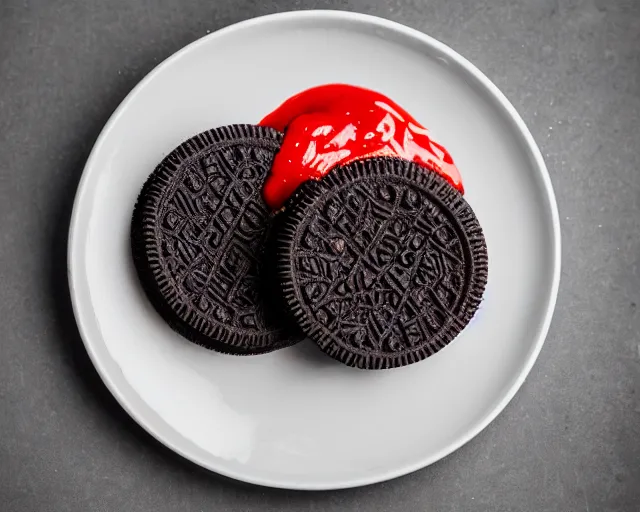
x,y
335,124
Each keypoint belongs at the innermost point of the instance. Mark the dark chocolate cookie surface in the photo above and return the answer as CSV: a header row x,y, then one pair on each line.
x,y
382,263
198,234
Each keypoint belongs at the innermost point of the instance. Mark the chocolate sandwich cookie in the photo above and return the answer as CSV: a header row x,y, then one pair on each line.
x,y
382,262
198,234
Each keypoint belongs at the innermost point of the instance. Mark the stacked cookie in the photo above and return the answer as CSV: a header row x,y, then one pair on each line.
x,y
381,262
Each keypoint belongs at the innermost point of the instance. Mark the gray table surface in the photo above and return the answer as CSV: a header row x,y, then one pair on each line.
x,y
569,441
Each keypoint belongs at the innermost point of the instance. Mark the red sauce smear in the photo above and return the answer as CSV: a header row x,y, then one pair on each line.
x,y
335,124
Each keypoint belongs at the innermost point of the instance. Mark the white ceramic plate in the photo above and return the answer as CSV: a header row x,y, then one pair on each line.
x,y
296,418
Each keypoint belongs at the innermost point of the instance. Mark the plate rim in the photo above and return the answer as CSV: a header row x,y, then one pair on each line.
x,y
502,102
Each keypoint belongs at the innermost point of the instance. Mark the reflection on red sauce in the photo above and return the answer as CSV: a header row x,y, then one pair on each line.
x,y
336,124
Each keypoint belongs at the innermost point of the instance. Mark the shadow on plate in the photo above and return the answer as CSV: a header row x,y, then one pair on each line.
x,y
307,353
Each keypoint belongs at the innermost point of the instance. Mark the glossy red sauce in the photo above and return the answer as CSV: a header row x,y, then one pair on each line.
x,y
336,124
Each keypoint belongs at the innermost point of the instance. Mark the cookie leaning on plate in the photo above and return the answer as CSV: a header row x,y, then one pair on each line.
x,y
382,263
198,234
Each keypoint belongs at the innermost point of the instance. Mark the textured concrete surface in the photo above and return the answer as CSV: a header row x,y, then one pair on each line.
x,y
569,441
